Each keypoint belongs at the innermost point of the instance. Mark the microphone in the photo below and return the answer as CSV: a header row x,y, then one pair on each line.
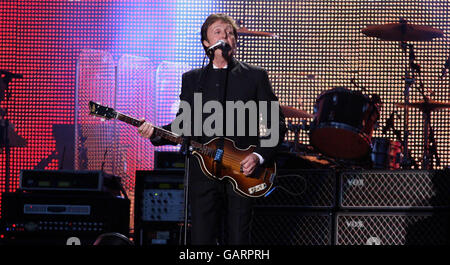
x,y
389,123
221,44
446,66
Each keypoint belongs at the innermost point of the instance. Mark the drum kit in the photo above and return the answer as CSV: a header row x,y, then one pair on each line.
x,y
343,121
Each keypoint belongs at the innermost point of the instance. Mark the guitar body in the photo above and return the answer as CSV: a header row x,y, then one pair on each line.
x,y
255,185
215,163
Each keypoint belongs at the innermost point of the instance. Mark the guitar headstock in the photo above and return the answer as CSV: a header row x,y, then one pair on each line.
x,y
101,111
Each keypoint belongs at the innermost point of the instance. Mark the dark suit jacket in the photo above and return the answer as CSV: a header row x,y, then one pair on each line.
x,y
245,83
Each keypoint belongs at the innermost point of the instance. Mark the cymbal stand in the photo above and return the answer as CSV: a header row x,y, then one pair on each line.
x,y
295,128
430,147
410,77
409,81
433,147
398,136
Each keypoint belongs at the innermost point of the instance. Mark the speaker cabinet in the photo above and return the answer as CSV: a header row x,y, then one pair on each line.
x,y
394,190
289,227
396,228
312,188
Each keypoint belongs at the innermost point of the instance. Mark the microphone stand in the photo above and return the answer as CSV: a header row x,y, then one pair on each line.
x,y
4,127
4,143
186,150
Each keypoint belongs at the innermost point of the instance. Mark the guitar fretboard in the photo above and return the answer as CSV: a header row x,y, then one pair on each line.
x,y
158,131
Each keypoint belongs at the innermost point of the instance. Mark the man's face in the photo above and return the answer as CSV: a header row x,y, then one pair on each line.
x,y
220,30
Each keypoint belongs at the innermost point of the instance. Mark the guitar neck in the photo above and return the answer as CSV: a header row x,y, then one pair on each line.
x,y
158,131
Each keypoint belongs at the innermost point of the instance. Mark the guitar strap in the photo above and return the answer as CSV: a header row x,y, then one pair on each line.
x,y
223,99
220,144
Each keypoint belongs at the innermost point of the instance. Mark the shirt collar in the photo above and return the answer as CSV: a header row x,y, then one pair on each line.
x,y
215,67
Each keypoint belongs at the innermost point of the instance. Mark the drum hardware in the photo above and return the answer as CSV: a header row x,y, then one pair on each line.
x,y
389,122
426,105
243,31
411,71
403,32
343,123
320,160
430,146
295,128
290,112
315,158
390,125
305,152
354,72
410,77
353,82
445,68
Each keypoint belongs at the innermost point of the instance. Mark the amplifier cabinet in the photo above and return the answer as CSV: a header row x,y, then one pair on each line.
x,y
278,226
312,188
159,206
394,190
53,218
395,228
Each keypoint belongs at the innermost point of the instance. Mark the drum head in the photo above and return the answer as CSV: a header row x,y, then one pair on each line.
x,y
340,142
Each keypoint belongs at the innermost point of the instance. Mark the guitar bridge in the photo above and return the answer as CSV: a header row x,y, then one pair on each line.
x,y
219,155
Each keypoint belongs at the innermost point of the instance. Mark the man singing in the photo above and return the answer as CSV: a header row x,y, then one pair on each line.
x,y
218,214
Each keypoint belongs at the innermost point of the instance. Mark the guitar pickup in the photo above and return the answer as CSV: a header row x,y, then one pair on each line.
x,y
272,177
219,155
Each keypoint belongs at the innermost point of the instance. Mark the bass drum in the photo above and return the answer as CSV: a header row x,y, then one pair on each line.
x,y
343,123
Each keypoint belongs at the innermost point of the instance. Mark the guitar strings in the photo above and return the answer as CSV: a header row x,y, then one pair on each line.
x,y
231,159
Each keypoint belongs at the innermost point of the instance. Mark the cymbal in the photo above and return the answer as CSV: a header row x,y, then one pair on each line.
x,y
243,31
402,32
290,112
422,105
